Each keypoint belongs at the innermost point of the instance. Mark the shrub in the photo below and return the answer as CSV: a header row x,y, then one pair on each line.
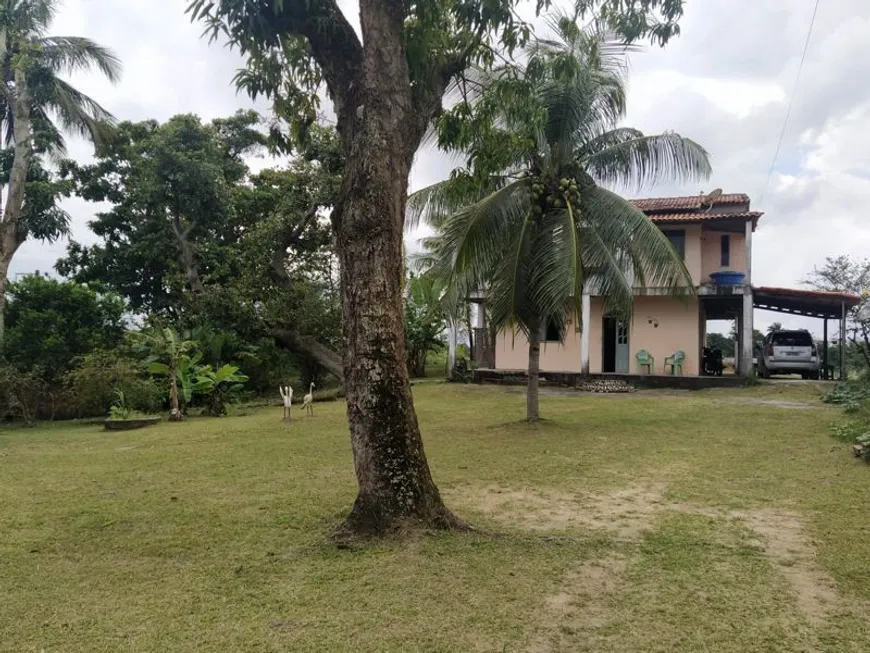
x,y
94,382
219,387
50,323
847,431
24,394
848,395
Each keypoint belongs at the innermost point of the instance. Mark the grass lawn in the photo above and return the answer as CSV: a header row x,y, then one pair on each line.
x,y
722,521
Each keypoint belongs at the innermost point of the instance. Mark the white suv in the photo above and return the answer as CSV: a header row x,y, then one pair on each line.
x,y
790,352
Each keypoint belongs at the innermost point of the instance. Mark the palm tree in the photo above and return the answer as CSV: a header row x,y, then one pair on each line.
x,y
773,328
36,104
538,231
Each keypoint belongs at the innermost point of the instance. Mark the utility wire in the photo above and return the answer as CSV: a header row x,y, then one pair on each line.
x,y
790,101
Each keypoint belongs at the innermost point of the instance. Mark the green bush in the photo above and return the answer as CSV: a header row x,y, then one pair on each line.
x,y
93,383
848,395
49,324
25,395
848,431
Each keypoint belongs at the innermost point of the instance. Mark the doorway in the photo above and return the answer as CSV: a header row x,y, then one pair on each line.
x,y
615,355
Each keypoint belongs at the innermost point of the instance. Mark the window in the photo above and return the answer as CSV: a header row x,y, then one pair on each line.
x,y
678,240
726,250
791,339
550,332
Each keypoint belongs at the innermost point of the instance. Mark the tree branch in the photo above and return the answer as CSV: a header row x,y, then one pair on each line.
x,y
290,238
296,342
260,26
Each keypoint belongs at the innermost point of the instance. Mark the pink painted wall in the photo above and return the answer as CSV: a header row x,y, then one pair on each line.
x,y
678,328
512,352
693,251
711,253
596,332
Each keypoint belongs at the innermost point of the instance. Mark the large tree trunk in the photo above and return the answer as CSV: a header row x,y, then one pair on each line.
x,y
12,235
10,240
532,412
395,486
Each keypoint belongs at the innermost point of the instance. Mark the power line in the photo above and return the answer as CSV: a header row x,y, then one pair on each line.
x,y
791,100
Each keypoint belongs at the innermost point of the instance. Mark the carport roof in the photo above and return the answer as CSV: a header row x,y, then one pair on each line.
x,y
813,303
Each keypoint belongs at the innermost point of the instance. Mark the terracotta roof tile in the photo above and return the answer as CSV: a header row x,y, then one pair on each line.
x,y
686,203
689,216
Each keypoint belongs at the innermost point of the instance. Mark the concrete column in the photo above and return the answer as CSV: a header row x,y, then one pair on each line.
x,y
748,247
586,316
479,316
746,333
842,341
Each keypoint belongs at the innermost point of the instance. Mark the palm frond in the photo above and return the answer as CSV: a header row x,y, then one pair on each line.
x,y
606,139
29,16
618,237
47,137
475,236
434,204
71,54
75,111
646,160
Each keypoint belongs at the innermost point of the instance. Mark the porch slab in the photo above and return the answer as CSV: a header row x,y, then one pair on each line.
x,y
574,379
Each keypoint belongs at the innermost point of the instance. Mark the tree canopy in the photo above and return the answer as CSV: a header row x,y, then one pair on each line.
x,y
172,213
51,323
850,275
194,237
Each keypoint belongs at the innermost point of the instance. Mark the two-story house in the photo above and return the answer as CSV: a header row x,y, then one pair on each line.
x,y
713,233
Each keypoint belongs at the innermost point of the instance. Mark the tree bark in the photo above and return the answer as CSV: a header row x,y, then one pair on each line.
x,y
186,256
11,233
174,405
395,486
532,411
5,260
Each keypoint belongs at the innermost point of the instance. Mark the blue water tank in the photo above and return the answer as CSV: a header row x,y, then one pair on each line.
x,y
728,278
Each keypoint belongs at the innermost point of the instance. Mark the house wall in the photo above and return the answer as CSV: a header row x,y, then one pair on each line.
x,y
512,352
693,251
596,333
677,329
693,256
711,253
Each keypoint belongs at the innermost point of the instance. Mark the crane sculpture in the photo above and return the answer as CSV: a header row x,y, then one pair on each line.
x,y
287,398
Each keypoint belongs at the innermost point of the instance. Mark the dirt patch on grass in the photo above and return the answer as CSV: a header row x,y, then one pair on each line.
x,y
545,510
624,515
786,544
583,604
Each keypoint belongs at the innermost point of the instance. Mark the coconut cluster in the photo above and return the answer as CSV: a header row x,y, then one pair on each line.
x,y
550,193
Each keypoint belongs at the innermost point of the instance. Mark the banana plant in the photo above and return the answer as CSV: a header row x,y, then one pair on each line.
x,y
170,355
219,387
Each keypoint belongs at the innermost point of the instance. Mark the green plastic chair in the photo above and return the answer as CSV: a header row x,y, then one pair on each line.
x,y
645,359
675,362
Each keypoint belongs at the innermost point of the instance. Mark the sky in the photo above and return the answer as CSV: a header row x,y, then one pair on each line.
x,y
726,83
